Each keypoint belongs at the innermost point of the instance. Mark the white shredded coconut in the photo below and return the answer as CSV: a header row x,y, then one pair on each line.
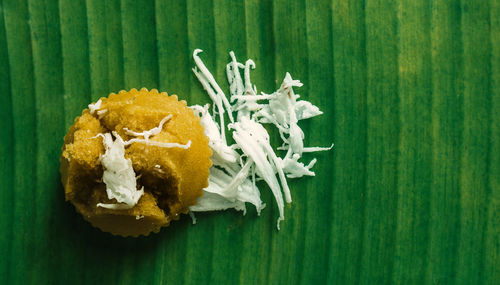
x,y
160,144
94,107
153,132
101,113
119,176
193,218
236,167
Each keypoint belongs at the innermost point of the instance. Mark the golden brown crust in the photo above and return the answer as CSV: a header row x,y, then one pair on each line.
x,y
173,178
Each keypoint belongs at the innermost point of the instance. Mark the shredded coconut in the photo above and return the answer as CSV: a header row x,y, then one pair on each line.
x,y
251,158
153,132
94,107
119,176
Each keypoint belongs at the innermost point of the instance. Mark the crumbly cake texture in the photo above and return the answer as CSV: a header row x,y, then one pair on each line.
x,y
173,178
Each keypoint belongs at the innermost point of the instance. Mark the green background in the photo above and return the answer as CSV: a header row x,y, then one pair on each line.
x,y
411,97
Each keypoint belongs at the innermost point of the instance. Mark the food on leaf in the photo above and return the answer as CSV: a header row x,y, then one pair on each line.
x,y
135,161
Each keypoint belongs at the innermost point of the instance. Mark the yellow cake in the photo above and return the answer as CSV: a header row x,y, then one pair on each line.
x,y
171,178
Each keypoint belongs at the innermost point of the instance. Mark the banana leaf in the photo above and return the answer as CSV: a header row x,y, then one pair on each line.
x,y
410,92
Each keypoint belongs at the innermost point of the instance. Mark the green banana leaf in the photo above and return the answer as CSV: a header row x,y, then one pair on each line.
x,y
411,97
